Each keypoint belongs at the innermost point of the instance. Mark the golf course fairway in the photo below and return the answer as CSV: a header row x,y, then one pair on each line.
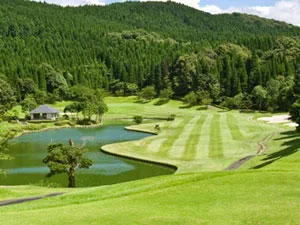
x,y
201,144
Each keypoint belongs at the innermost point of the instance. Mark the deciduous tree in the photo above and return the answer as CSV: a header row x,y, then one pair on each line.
x,y
66,159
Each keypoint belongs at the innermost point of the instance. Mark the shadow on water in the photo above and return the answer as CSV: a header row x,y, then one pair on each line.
x,y
290,146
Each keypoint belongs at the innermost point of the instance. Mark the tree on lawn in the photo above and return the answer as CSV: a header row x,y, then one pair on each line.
x,y
65,159
147,93
295,109
191,99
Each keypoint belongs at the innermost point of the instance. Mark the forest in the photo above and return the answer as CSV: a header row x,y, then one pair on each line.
x,y
151,49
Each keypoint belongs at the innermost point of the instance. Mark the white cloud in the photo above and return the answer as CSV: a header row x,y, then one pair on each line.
x,y
284,10
73,2
213,9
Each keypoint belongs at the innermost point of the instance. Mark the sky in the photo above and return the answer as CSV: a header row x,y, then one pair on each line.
x,y
283,10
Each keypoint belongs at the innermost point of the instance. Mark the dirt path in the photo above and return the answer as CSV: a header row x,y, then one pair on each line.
x,y
262,145
239,163
261,149
21,200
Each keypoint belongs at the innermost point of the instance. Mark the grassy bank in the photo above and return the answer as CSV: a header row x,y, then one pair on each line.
x,y
201,143
208,198
197,140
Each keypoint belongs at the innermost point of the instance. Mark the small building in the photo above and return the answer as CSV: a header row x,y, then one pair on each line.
x,y
44,112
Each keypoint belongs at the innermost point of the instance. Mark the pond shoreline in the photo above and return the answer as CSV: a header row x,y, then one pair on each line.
x,y
19,134
168,167
139,159
129,128
152,161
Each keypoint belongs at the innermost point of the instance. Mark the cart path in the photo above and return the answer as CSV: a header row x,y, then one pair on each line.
x,y
261,149
21,200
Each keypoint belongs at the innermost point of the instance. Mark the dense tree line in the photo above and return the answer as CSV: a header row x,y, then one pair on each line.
x,y
241,61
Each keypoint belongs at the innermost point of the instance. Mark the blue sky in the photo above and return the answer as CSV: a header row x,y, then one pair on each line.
x,y
283,10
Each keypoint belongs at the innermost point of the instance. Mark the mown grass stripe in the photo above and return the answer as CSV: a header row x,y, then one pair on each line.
x,y
230,145
203,139
172,135
192,143
232,122
155,145
215,143
179,146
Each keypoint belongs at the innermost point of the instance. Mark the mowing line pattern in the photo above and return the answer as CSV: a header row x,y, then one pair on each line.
x,y
192,143
178,147
176,129
230,145
234,128
155,145
215,143
204,139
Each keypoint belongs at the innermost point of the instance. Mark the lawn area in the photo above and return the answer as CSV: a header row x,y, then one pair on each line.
x,y
201,144
11,192
252,197
197,140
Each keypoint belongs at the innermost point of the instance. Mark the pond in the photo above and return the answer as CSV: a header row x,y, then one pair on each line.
x,y
29,150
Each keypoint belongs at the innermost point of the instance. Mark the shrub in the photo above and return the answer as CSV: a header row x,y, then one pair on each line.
x,y
157,127
66,117
84,122
191,99
147,93
40,121
35,126
171,117
64,123
138,119
27,117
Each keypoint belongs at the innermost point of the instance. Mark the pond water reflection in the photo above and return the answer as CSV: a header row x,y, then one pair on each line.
x,y
29,150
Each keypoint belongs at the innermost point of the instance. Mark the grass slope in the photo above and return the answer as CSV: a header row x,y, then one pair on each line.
x,y
209,198
206,140
265,191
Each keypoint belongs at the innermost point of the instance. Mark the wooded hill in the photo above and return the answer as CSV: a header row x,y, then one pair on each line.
x,y
241,60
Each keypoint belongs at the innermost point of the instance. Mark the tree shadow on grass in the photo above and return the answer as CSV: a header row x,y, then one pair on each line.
x,y
140,101
290,147
185,107
161,102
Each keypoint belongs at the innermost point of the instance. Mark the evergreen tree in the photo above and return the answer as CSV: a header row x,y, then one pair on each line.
x,y
295,109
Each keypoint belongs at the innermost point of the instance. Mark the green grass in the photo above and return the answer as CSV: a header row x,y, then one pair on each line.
x,y
206,140
264,191
209,198
12,192
215,142
192,143
234,128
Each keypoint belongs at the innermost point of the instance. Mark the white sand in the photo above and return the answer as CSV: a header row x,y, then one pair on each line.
x,y
279,119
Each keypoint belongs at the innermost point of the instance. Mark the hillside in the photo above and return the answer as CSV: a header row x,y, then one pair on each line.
x,y
45,50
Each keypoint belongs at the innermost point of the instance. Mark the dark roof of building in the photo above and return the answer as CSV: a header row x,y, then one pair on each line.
x,y
44,109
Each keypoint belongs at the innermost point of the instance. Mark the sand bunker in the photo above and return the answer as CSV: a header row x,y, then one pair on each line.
x,y
279,119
